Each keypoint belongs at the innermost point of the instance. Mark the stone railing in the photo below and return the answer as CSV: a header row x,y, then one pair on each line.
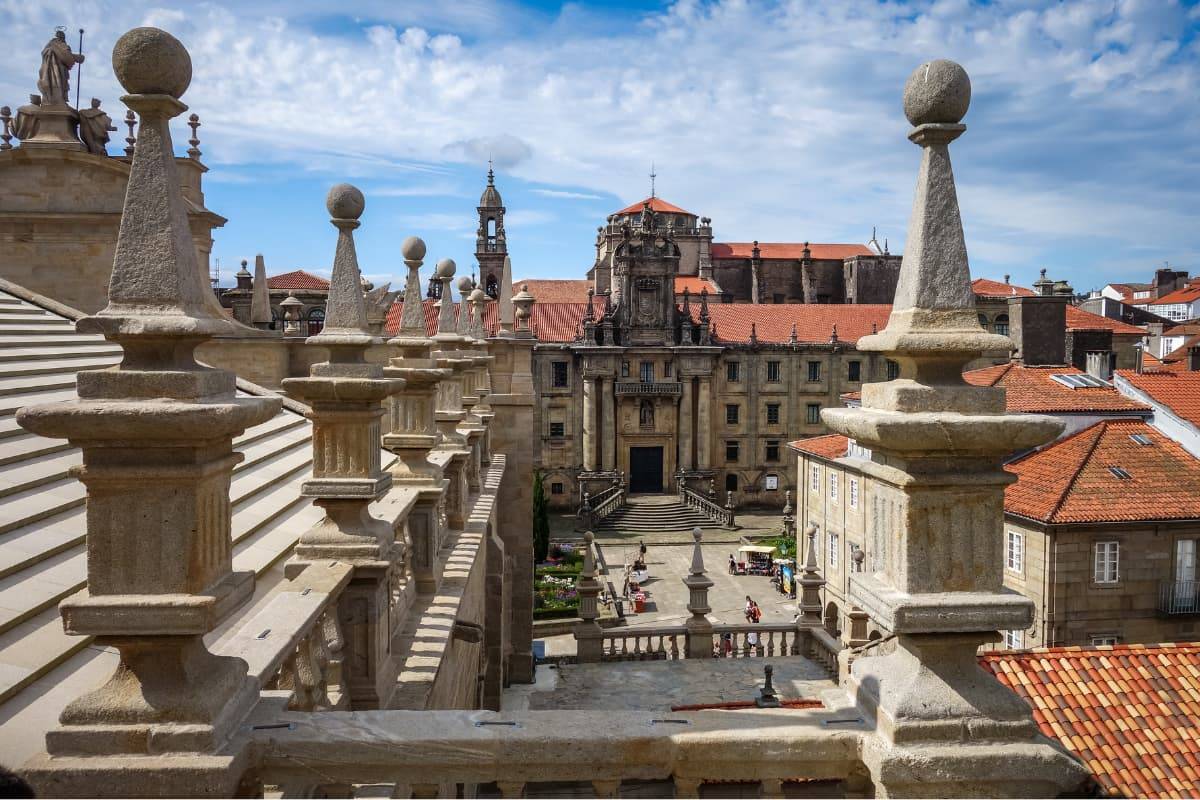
x,y
649,388
643,644
718,513
598,506
764,640
824,649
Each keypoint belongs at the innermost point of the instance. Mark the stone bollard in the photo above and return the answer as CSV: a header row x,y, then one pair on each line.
x,y
156,433
346,396
699,627
589,641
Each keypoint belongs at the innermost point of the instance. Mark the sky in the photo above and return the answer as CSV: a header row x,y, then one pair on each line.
x,y
780,121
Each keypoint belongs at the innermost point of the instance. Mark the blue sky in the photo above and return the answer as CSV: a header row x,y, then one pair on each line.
x,y
781,121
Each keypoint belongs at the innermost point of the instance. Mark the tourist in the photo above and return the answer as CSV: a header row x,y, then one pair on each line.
x,y
749,612
755,612
732,565
752,641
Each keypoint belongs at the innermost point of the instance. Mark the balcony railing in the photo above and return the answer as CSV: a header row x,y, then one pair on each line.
x,y
649,388
1179,597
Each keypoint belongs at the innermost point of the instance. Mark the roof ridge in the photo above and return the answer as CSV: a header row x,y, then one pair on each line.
x,y
1100,428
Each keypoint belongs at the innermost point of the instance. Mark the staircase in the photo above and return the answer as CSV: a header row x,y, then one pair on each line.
x,y
648,514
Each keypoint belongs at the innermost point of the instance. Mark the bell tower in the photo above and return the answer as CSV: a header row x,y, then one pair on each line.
x,y
491,246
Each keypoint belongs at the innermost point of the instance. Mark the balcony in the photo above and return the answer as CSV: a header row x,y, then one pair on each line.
x,y
1179,597
671,389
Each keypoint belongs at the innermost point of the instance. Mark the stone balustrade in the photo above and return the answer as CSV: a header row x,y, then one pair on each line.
x,y
824,649
722,515
642,644
762,640
659,388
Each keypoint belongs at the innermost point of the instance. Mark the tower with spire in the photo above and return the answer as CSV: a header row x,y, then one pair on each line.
x,y
491,246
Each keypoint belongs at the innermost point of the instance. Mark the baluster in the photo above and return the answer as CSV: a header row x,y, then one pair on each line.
x,y
662,650
674,647
770,643
512,789
637,647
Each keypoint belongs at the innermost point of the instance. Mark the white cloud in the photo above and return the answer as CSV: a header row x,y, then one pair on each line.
x,y
564,195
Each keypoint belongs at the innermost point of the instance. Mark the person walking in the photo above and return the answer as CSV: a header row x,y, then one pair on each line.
x,y
749,611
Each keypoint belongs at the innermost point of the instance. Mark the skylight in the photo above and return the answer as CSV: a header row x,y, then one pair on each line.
x,y
1120,473
1079,381
1140,438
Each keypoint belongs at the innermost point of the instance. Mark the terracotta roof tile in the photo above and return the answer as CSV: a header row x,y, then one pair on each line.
x,y
1178,391
1071,481
297,279
814,322
1033,390
1136,742
1180,354
832,445
656,204
1187,294
984,287
555,291
789,250
1078,319
552,322
694,286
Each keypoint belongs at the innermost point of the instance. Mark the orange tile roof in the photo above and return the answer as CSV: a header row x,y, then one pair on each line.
x,y
789,250
1178,391
814,322
1032,390
1128,290
297,279
656,204
552,322
1181,353
832,445
984,287
1070,481
1130,712
694,285
1187,294
555,290
1078,319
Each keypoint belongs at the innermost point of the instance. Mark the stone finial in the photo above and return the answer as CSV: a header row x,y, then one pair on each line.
x,y
507,310
447,323
290,308
767,698
699,628
260,300
345,308
811,584
243,272
6,130
729,500
462,326
412,316
478,300
794,338
130,140
753,334
697,554
194,151
523,303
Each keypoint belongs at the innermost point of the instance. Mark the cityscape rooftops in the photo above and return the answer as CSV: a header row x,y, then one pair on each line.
x,y
832,445
814,322
985,287
557,290
298,279
657,204
694,285
1034,389
1186,294
1177,391
1080,320
789,251
1130,712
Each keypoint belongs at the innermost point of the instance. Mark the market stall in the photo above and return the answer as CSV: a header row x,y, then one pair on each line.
x,y
755,559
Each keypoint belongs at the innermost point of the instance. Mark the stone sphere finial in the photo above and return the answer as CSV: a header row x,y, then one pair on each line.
x,y
152,61
696,534
413,248
446,268
478,296
345,202
588,537
937,92
465,284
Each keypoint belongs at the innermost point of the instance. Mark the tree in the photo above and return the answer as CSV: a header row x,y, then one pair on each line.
x,y
541,520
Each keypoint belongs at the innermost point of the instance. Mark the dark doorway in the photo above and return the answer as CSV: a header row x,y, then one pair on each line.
x,y
645,469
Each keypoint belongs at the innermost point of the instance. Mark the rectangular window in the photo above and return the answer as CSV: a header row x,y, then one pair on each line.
x,y
556,488
732,372
854,371
667,369
1104,640
812,413
833,487
814,478
893,370
773,371
854,492
558,430
731,414
772,413
560,374
731,451
772,451
624,369
1014,640
777,299
1107,556
833,550
814,371
646,371
731,482
1014,552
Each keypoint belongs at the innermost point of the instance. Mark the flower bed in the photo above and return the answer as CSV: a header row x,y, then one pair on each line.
x,y
555,596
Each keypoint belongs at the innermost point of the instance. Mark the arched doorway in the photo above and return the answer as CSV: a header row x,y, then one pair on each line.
x,y
833,620
316,321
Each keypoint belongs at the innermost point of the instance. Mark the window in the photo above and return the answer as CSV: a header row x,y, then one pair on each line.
x,y
814,371
772,413
560,374
731,451
812,413
1014,551
667,370
731,482
646,371
1107,555
814,478
854,492
556,488
772,451
771,483
833,487
854,372
833,550
558,430
773,371
983,321
1080,381
731,414
893,370
777,299
1140,438
732,372
1000,326
1014,640
1120,474
1104,639
624,369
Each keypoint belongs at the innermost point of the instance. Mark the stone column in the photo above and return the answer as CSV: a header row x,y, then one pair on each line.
x,y
699,627
449,413
944,726
589,642
260,300
589,423
687,457
704,423
346,396
156,433
608,428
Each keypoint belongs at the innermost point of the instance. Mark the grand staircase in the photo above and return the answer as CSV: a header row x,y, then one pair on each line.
x,y
649,514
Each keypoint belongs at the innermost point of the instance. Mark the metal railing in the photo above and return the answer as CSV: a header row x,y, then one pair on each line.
x,y
649,388
1179,597
709,508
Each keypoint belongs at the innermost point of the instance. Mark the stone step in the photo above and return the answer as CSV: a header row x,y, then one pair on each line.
x,y
11,315
62,390
58,350
50,338
35,472
55,366
35,539
28,445
37,383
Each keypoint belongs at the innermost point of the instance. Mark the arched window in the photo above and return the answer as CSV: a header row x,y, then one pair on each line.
x,y
492,287
316,321
983,321
491,234
1000,326
832,620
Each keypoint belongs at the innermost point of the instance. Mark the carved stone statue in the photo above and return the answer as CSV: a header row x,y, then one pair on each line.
x,y
646,414
94,126
54,78
26,124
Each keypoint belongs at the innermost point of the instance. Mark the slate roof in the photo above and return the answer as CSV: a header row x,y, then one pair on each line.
x,y
789,250
1130,712
1070,480
832,445
1033,390
1178,391
297,279
656,204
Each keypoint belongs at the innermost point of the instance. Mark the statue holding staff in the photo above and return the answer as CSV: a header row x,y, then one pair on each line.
x,y
54,77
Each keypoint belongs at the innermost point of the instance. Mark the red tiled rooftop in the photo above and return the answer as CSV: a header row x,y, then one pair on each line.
x,y
984,287
832,445
1129,712
1181,353
694,285
552,322
656,204
1078,319
1178,391
555,290
814,322
297,279
1070,481
1186,294
1033,390
789,250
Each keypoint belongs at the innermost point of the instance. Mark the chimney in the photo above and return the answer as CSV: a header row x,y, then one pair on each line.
x,y
1038,327
1043,285
1139,355
1099,364
1194,358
